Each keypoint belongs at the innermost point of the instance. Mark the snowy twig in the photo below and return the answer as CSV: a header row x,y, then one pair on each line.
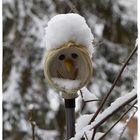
x,y
33,124
87,101
114,83
117,105
109,115
128,121
118,120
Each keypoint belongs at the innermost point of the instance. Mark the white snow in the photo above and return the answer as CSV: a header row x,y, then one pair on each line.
x,y
33,106
117,130
7,126
97,135
115,105
49,116
87,95
7,1
68,27
47,134
130,9
83,121
53,99
12,94
24,125
66,83
99,27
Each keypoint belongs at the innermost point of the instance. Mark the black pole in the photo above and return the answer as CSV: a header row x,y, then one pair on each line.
x,y
70,117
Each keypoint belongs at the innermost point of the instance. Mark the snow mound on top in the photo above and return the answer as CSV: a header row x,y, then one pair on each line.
x,y
63,28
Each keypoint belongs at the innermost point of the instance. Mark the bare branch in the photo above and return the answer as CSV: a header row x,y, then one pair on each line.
x,y
33,124
87,101
114,83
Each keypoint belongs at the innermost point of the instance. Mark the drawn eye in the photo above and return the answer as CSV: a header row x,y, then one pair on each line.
x,y
74,55
61,57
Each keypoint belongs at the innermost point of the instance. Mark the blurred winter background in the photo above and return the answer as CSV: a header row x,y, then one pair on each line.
x,y
114,25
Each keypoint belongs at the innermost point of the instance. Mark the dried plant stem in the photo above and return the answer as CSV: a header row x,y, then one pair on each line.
x,y
33,124
118,120
114,83
32,120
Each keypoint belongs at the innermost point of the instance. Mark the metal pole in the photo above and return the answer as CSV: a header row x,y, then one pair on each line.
x,y
70,117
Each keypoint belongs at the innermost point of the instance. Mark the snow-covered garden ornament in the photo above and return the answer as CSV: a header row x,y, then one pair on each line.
x,y
68,65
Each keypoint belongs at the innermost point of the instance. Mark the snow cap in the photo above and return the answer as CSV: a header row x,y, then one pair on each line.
x,y
64,28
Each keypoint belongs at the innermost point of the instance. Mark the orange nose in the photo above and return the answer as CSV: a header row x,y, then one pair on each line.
x,y
68,65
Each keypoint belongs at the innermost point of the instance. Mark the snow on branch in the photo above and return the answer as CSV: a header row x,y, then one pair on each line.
x,y
87,95
130,107
106,114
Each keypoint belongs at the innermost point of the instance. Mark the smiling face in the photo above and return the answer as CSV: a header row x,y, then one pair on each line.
x,y
65,64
